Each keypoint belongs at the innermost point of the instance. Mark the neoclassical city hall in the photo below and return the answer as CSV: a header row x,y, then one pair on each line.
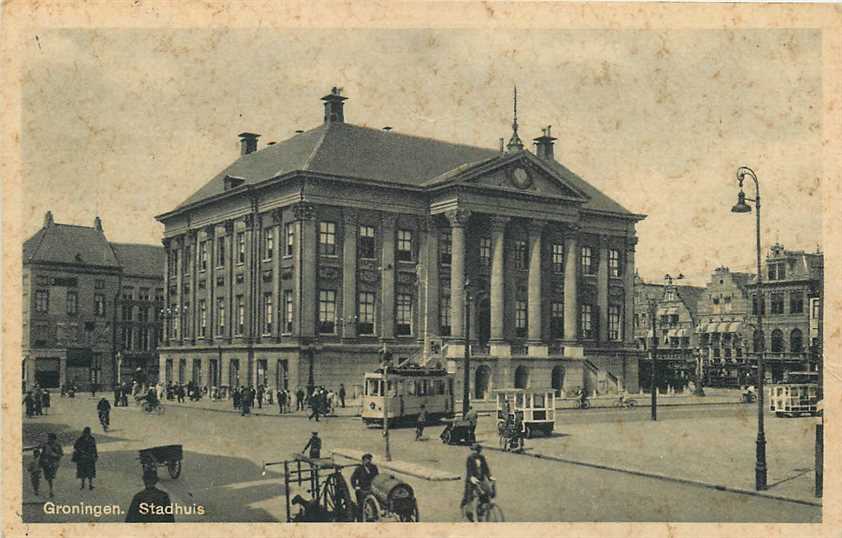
x,y
305,259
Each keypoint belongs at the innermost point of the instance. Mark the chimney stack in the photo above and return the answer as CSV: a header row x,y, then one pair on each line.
x,y
334,102
544,144
502,145
48,219
248,143
98,223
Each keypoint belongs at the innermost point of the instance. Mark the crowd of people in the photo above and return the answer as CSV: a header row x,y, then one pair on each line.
x,y
36,402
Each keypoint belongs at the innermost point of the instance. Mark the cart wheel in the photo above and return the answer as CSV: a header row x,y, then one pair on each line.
x,y
446,437
174,468
411,516
336,499
371,509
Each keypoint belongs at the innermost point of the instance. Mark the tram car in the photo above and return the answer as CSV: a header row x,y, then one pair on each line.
x,y
796,396
408,388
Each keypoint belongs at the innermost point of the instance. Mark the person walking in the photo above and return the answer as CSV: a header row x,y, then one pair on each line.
x,y
85,456
116,395
93,390
315,446
315,407
245,403
51,454
150,496
34,470
421,422
45,401
36,397
29,402
342,395
260,393
281,401
103,409
299,399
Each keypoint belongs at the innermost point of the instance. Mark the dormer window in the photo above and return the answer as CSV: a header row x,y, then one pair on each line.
x,y
233,182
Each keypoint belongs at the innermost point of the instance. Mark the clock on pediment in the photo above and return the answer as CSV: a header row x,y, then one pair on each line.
x,y
520,176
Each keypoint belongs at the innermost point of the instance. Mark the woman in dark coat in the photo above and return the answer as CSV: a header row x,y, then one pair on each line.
x,y
51,453
85,456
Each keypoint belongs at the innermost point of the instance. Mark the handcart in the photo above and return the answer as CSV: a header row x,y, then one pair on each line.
x,y
458,432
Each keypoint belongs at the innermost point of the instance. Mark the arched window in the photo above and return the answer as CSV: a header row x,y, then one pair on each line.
x,y
758,341
777,341
521,377
796,343
558,379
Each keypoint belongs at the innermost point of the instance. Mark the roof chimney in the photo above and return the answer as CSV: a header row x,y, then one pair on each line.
x,y
333,106
248,143
387,128
502,144
98,223
544,144
48,219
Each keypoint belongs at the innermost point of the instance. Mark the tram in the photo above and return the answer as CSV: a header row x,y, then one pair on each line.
x,y
406,390
797,395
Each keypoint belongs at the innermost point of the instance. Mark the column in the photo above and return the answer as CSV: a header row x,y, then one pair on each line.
x,y
571,276
387,277
166,306
277,249
194,286
305,261
458,219
497,287
349,274
252,224
536,347
628,283
210,284
178,318
228,271
602,288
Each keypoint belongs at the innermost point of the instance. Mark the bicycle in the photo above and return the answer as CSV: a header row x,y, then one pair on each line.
x,y
624,403
583,403
149,408
104,420
486,510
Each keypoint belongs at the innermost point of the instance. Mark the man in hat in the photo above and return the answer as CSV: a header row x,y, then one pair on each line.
x,y
477,473
315,446
361,479
151,504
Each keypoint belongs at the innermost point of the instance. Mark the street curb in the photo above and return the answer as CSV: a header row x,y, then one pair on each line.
x,y
667,478
236,412
395,466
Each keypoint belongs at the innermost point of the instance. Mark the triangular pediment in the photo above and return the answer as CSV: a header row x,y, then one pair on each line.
x,y
520,172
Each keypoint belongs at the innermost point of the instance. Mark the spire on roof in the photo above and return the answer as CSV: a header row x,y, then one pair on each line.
x,y
515,143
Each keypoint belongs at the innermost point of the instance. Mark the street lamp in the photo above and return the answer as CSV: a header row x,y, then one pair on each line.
x,y
653,349
386,358
742,207
466,380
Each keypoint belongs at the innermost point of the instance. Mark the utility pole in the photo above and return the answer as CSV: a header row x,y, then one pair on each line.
x,y
653,351
466,379
387,450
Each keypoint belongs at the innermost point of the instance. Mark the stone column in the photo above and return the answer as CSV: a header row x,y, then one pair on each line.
x,y
536,347
349,274
194,286
571,277
229,280
210,284
277,307
387,277
251,226
497,289
628,284
305,262
602,289
178,309
458,220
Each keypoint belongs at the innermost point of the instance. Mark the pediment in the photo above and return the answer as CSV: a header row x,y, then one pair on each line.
x,y
526,174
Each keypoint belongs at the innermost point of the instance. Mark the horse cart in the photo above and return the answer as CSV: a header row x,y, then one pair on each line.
x,y
168,456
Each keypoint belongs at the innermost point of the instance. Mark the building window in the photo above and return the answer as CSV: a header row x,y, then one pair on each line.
x,y
173,263
267,313
327,311
327,238
99,305
203,318
614,332
185,315
557,320
444,315
241,247
187,263
241,315
796,302
144,294
404,245
777,341
520,318
72,303
586,320
403,318
99,284
268,244
796,341
289,233
365,313
613,262
366,245
587,261
754,305
127,312
203,255
159,295
520,254
727,301
220,251
777,271
220,316
485,251
777,303
288,311
128,293
558,258
42,300
446,247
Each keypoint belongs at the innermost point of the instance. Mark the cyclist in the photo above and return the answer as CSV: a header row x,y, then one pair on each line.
x,y
151,400
104,411
477,479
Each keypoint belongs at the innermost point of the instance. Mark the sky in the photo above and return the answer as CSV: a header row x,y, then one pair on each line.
x,y
126,124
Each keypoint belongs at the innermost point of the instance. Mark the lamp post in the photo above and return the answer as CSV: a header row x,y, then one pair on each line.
x,y
700,373
386,358
742,207
311,377
653,351
466,379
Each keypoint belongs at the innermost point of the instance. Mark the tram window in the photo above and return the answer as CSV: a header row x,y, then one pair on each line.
x,y
422,387
538,401
393,389
519,400
439,384
372,387
401,383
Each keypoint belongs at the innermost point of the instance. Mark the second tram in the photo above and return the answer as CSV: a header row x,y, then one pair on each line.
x,y
404,392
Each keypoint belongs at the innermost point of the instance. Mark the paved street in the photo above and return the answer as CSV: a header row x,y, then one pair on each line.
x,y
224,452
